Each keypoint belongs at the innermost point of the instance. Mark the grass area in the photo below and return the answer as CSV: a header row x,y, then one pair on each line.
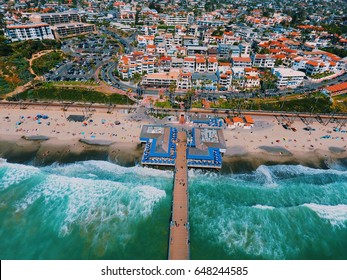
x,y
319,104
14,68
159,115
340,103
70,83
163,104
43,64
75,95
322,75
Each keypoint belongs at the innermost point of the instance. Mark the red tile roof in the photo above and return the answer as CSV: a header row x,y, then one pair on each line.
x,y
338,87
241,59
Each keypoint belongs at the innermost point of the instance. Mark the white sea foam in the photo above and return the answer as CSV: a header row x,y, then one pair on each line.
x,y
94,166
263,207
296,170
87,202
336,214
16,173
263,172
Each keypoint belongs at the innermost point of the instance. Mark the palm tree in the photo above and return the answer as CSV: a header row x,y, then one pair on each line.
x,y
172,90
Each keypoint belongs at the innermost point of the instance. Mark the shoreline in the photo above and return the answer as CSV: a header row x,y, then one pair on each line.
x,y
114,137
46,152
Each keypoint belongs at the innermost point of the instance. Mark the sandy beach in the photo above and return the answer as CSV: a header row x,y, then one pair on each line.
x,y
268,141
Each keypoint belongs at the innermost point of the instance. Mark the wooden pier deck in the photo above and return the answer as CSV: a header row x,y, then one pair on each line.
x,y
179,226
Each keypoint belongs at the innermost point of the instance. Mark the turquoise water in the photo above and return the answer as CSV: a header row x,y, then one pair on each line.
x,y
100,210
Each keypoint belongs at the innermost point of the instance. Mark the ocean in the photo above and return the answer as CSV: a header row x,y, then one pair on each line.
x,y
101,210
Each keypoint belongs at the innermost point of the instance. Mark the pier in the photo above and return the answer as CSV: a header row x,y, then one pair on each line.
x,y
179,226
200,145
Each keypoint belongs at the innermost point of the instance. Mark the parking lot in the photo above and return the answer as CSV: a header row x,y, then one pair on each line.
x,y
85,56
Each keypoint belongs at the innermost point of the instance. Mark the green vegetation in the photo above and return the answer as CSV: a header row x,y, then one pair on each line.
x,y
27,48
322,75
340,103
163,104
70,83
339,52
317,104
14,67
43,64
75,95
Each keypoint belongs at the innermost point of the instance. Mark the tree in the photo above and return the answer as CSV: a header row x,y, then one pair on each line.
x,y
136,78
172,90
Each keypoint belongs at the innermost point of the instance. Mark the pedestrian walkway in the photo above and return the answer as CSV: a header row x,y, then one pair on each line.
x,y
179,226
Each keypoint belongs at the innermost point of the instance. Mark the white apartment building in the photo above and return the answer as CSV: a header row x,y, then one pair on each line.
x,y
263,61
200,64
225,79
161,49
245,49
32,31
212,64
136,63
178,19
229,38
288,77
177,62
189,64
185,81
252,81
241,61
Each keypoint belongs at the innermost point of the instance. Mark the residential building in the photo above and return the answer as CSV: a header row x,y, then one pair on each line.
x,y
263,61
225,51
245,49
288,77
225,80
315,67
136,62
185,81
177,19
200,64
193,50
241,61
56,18
189,64
212,64
31,31
72,29
161,79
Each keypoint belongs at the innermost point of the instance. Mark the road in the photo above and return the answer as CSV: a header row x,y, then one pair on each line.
x,y
108,76
141,111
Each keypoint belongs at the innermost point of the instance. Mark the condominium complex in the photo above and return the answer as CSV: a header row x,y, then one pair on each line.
x,y
56,18
288,77
161,79
32,31
72,29
180,19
